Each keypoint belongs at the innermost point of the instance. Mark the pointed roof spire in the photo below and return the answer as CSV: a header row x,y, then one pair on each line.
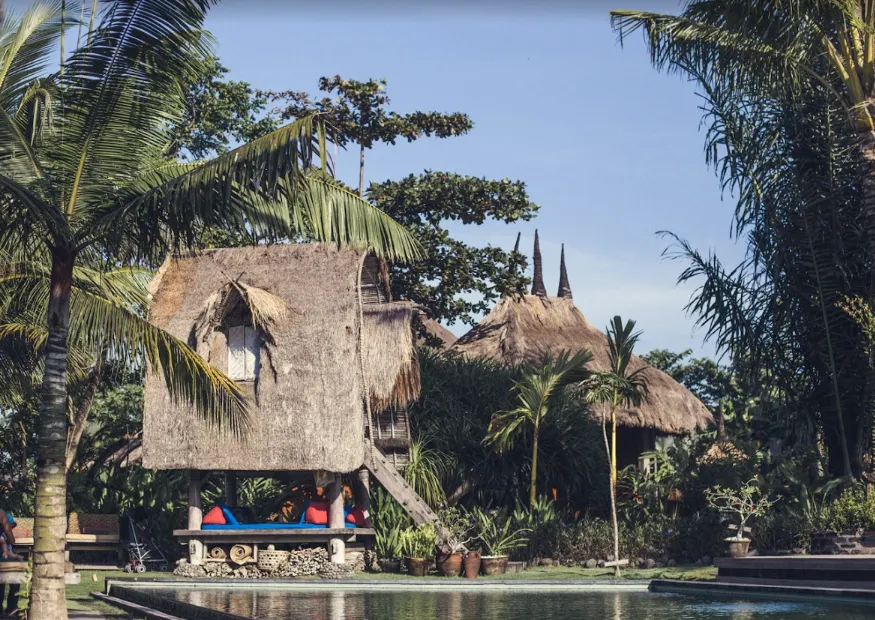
x,y
538,279
564,286
516,246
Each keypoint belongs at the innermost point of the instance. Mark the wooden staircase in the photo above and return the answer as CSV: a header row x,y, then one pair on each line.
x,y
412,503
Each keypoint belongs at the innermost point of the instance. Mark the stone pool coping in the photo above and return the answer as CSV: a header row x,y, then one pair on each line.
x,y
639,585
795,592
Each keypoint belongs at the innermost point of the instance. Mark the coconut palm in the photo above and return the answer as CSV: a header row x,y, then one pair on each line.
x,y
536,392
770,48
613,388
781,64
82,177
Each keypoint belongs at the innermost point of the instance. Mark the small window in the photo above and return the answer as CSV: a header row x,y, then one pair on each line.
x,y
244,346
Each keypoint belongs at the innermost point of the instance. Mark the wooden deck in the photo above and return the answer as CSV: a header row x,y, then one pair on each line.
x,y
825,571
314,535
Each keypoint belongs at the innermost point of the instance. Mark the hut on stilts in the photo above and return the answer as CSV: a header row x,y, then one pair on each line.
x,y
525,328
310,333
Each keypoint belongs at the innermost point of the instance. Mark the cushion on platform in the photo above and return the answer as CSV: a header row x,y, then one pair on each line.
x,y
215,517
317,513
356,516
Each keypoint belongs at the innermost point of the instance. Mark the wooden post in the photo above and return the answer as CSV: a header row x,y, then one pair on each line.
x,y
195,516
363,493
336,546
231,489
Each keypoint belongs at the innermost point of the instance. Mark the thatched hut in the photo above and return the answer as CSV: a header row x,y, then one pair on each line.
x,y
309,332
524,329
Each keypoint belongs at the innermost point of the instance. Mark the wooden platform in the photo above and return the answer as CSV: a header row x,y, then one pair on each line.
x,y
15,572
825,571
309,535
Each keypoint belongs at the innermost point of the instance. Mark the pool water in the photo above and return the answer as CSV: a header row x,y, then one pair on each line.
x,y
504,605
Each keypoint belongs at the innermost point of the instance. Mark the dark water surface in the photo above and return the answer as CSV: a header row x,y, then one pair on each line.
x,y
505,605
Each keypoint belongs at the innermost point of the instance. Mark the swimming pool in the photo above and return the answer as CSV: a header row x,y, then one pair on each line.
x,y
446,604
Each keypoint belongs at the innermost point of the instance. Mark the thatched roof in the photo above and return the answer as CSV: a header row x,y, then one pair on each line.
x,y
318,342
523,329
436,330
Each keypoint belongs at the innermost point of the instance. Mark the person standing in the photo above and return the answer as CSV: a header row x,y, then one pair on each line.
x,y
7,539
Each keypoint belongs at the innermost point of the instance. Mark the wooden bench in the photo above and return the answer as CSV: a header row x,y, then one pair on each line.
x,y
80,536
15,572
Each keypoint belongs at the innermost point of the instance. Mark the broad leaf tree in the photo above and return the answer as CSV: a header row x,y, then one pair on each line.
x,y
83,174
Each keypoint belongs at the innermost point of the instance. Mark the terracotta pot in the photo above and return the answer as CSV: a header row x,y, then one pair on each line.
x,y
450,565
494,564
472,565
418,567
389,566
737,548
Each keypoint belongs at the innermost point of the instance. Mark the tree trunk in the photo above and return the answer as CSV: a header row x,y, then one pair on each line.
x,y
534,480
361,171
47,597
613,491
81,417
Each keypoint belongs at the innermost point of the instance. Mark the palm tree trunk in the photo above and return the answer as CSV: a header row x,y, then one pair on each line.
x,y
613,491
47,598
532,486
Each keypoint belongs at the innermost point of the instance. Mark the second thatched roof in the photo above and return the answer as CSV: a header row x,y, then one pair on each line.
x,y
524,329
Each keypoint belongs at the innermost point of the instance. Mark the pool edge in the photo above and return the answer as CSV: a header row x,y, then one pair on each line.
x,y
676,586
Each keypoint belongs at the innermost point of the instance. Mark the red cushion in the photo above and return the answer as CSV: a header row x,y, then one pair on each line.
x,y
215,517
317,513
357,516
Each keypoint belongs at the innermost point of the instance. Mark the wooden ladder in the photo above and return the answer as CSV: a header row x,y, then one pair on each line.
x,y
410,500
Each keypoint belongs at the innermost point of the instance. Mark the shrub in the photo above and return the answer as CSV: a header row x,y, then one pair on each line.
x,y
853,510
778,532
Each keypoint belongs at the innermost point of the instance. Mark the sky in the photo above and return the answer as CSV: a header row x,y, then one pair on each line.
x,y
610,149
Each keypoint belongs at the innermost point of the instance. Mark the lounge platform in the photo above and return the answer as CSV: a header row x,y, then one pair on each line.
x,y
822,571
278,535
15,572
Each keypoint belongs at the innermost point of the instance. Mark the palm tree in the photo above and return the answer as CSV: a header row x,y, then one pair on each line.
x,y
536,392
82,177
773,55
613,388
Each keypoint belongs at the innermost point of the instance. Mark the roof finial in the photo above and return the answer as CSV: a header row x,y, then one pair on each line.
x,y
564,286
516,246
538,279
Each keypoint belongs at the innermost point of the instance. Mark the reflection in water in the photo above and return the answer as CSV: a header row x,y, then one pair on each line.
x,y
449,604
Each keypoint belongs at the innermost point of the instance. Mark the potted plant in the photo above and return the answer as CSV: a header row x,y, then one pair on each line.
x,y
418,544
498,537
389,550
449,563
746,503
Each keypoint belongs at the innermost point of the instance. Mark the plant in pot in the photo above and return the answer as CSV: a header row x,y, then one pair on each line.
x,y
746,503
456,523
418,544
390,521
497,536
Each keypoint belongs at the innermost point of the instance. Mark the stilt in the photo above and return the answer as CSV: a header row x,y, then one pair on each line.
x,y
363,493
195,516
336,546
231,489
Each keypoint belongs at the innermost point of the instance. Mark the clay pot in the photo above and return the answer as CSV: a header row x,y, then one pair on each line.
x,y
472,565
389,566
494,564
418,567
737,548
450,565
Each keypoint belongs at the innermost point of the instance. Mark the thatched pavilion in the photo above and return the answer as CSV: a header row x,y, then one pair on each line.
x,y
523,329
310,333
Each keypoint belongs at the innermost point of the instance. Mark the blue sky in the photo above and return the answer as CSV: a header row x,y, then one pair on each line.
x,y
609,148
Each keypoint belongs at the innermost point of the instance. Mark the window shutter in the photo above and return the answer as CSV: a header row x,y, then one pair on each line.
x,y
252,351
236,353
